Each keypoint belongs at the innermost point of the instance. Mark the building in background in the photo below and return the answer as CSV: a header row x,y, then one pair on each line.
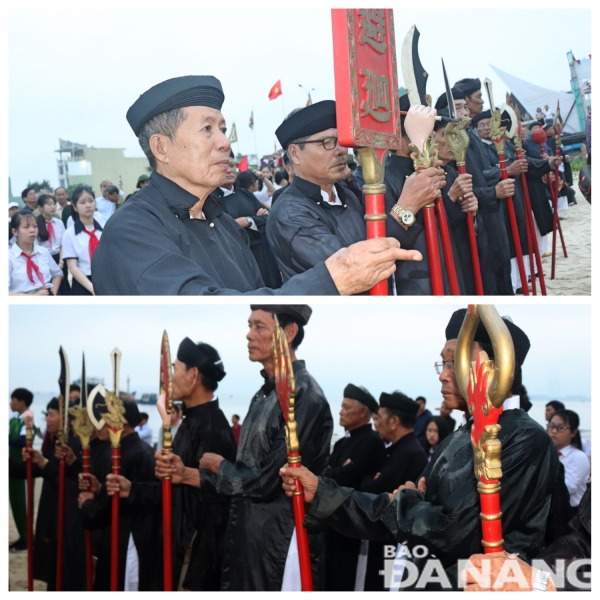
x,y
79,164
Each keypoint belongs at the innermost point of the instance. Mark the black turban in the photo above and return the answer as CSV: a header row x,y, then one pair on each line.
x,y
307,121
404,102
442,101
468,86
191,90
520,340
203,356
299,312
486,114
400,402
533,124
132,412
445,114
53,404
360,395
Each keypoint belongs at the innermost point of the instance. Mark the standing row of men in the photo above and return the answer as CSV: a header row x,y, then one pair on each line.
x,y
233,527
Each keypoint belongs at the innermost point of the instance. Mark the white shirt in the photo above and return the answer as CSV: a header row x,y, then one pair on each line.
x,y
263,195
105,207
226,192
98,216
145,433
577,472
336,201
18,282
76,244
59,231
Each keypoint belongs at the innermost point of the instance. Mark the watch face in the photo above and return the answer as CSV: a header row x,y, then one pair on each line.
x,y
408,218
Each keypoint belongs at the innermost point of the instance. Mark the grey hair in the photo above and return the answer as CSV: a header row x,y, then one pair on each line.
x,y
166,123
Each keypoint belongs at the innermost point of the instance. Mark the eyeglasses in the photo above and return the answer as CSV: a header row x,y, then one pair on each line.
x,y
329,143
440,364
558,428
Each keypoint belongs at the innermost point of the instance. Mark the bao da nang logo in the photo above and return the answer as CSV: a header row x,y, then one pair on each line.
x,y
401,572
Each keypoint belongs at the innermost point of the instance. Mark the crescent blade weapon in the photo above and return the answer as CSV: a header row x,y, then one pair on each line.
x,y
534,251
84,428
166,388
499,124
457,140
485,385
415,81
28,420
286,392
63,435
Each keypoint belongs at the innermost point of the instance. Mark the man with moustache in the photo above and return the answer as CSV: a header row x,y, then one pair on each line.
x,y
261,551
442,511
172,238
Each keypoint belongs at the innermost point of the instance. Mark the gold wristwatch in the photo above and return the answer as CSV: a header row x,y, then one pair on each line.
x,y
406,217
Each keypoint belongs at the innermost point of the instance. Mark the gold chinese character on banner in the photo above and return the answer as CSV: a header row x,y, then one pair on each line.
x,y
378,97
373,28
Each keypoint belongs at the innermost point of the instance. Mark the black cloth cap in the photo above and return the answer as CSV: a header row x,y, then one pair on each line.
x,y
203,356
519,337
445,114
53,404
398,401
308,121
442,101
360,395
132,412
486,114
533,124
468,86
300,312
191,90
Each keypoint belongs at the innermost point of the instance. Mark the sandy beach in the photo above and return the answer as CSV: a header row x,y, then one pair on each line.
x,y
573,274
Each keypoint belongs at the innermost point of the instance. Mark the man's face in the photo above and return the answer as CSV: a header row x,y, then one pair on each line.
x,y
230,175
550,131
421,407
74,395
52,421
12,211
104,185
113,197
30,199
475,103
61,196
453,399
444,152
444,410
462,110
322,166
17,405
143,183
384,426
549,412
199,154
262,326
483,129
351,414
183,380
235,420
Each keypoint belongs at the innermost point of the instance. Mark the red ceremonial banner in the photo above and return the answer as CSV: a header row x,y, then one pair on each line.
x,y
366,78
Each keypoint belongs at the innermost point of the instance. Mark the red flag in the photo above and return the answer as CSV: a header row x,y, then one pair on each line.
x,y
275,91
243,164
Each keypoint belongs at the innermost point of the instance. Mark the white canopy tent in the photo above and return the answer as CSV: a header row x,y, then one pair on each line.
x,y
533,96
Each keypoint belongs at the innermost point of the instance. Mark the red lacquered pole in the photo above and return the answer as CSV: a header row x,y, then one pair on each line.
x,y
375,217
89,563
433,249
61,526
167,535
447,247
28,445
114,550
513,225
301,533
462,170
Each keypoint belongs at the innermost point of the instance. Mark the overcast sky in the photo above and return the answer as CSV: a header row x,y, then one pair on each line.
x,y
384,347
74,71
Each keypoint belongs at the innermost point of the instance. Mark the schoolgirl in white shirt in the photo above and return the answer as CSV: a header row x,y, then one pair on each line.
x,y
50,229
31,268
81,240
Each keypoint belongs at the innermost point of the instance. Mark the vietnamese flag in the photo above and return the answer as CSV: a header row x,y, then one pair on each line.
x,y
243,164
275,91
